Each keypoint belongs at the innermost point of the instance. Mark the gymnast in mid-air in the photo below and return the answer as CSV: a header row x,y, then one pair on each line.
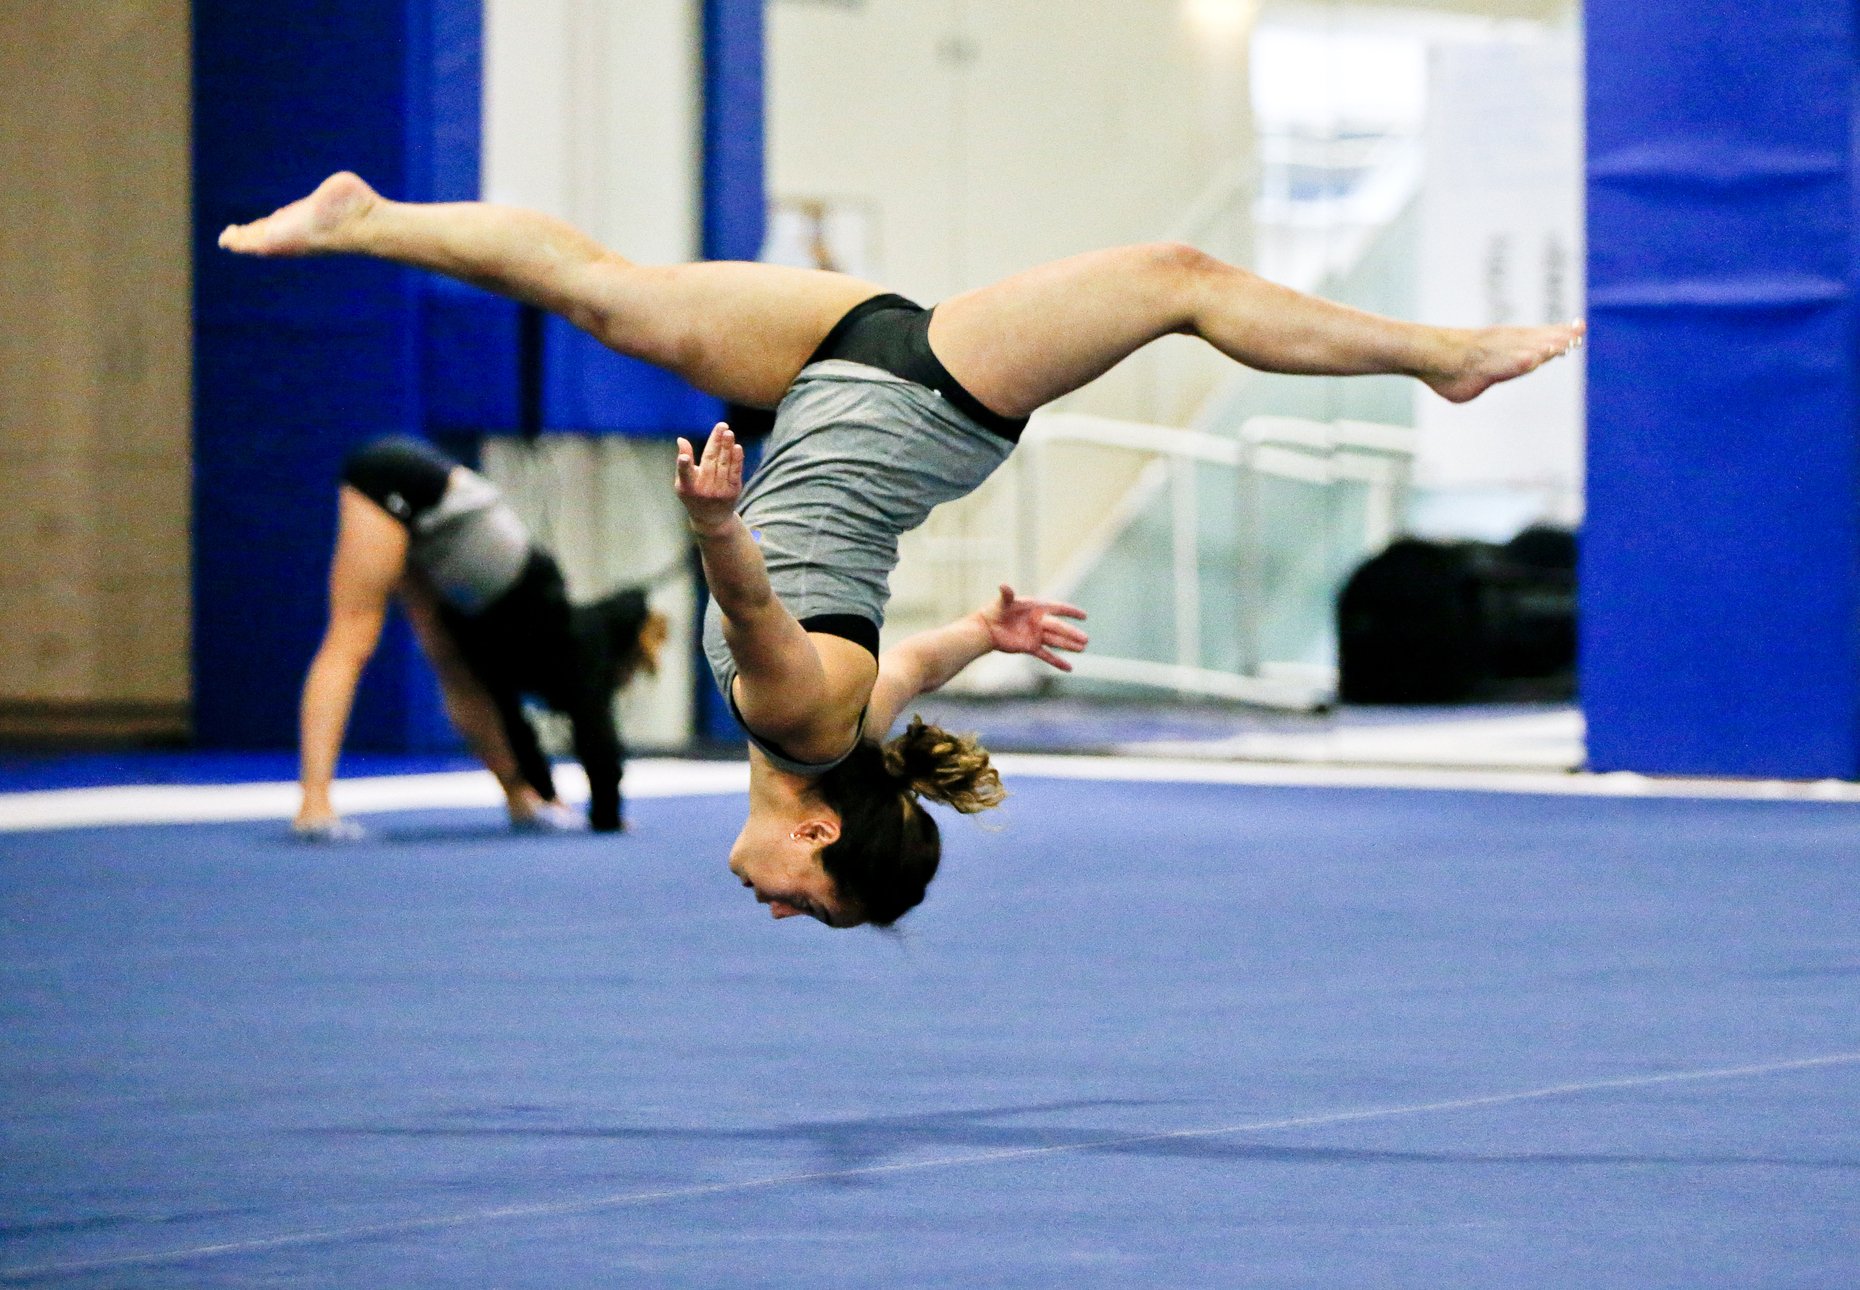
x,y
884,410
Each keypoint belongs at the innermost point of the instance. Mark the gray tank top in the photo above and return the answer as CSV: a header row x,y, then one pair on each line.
x,y
858,458
470,544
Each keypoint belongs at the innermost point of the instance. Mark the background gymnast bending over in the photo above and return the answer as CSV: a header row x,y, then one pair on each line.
x,y
886,410
490,610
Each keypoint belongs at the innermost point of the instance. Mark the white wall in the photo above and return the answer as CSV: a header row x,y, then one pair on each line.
x,y
985,138
1502,243
592,112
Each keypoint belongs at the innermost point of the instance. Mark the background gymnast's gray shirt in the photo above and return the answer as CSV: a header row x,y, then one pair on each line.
x,y
470,543
858,458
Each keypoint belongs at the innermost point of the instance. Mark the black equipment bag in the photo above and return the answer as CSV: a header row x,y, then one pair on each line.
x,y
1456,622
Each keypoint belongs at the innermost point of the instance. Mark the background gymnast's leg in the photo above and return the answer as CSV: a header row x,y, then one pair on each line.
x,y
1031,338
736,330
370,558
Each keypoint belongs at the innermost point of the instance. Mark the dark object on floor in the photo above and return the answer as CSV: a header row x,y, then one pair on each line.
x,y
1448,622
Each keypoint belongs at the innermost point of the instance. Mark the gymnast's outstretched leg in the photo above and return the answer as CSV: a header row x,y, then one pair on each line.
x,y
737,330
742,331
1033,337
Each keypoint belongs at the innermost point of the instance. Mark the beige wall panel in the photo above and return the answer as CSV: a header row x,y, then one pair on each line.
x,y
142,523
16,669
139,231
58,641
28,491
51,502
45,311
143,656
95,348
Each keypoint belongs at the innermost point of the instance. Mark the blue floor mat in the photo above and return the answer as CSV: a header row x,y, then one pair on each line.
x,y
1157,1035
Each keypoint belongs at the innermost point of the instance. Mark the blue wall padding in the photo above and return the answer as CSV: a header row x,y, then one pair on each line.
x,y
735,187
446,125
735,202
298,361
589,388
471,360
1721,555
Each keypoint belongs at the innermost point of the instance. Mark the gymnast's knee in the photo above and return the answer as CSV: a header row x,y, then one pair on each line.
x,y
1182,279
622,305
1179,261
637,310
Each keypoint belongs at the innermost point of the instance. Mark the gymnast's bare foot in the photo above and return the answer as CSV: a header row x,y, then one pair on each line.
x,y
1493,354
310,226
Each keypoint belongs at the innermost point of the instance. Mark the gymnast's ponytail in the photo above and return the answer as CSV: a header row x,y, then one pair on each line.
x,y
946,768
620,635
889,846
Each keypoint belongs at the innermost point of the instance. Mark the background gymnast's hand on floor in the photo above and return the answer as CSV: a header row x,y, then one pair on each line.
x,y
1017,626
327,828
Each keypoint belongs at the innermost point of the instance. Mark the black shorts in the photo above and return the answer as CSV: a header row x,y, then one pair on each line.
x,y
403,476
503,640
893,334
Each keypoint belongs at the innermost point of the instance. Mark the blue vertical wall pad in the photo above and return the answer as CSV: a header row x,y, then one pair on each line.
x,y
735,95
1721,570
295,363
588,388
735,202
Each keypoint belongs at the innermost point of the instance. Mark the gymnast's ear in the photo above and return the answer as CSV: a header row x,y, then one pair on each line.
x,y
818,832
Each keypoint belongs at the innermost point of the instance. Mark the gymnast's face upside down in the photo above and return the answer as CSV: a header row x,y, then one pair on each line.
x,y
852,846
780,861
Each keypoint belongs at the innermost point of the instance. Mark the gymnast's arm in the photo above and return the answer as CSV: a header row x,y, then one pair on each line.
x,y
507,747
802,689
929,660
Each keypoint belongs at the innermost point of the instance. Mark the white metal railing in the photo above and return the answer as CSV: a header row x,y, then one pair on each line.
x,y
1300,210
1324,454
1253,212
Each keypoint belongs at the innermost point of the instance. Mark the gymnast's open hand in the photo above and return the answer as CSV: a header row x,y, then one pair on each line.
x,y
1017,626
709,487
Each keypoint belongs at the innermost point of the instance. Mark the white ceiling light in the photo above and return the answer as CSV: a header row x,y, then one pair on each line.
x,y
1221,19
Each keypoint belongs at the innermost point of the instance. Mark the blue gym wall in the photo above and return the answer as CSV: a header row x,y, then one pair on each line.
x,y
296,362
1721,569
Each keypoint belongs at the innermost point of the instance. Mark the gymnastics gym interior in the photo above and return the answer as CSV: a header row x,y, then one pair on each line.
x,y
1438,871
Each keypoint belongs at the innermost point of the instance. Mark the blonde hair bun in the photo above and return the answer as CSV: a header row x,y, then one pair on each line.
x,y
946,768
